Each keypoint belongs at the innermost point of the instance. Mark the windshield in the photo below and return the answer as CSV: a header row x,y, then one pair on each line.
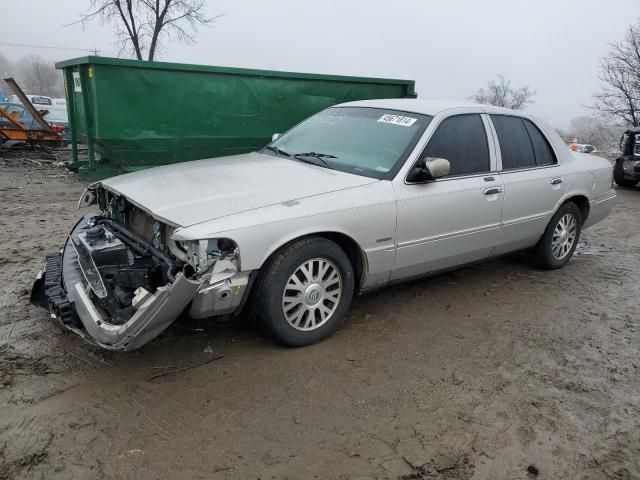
x,y
365,141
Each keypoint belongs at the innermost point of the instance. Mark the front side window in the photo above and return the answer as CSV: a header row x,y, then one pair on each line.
x,y
461,139
372,142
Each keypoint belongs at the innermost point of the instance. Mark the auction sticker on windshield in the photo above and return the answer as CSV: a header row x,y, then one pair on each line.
x,y
397,120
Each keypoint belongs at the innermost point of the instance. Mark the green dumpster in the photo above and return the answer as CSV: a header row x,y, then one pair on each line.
x,y
135,114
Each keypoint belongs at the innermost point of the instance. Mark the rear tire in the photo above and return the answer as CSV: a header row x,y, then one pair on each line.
x,y
305,291
560,238
618,176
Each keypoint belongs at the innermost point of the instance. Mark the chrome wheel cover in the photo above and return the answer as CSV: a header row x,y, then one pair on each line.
x,y
564,236
312,294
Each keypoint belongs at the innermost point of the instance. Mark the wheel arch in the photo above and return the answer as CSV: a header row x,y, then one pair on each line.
x,y
580,199
351,247
582,202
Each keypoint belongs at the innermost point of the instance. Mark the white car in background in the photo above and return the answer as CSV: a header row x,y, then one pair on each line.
x,y
586,148
356,197
38,101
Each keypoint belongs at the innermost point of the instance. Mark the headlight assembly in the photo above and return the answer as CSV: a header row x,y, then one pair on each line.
x,y
212,256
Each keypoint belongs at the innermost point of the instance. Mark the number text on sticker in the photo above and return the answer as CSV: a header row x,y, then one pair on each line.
x,y
397,120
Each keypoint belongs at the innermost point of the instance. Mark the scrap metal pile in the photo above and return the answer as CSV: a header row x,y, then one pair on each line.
x,y
12,128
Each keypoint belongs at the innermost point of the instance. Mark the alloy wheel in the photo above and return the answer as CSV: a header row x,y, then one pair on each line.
x,y
564,236
312,294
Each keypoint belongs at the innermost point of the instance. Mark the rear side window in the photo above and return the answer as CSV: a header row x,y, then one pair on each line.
x,y
542,149
462,140
515,144
522,144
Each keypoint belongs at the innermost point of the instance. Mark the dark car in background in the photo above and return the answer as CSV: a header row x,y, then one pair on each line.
x,y
626,171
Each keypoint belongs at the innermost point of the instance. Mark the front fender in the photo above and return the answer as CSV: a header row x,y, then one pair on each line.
x,y
366,214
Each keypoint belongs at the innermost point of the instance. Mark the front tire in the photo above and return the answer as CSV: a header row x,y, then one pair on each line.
x,y
618,176
305,291
560,238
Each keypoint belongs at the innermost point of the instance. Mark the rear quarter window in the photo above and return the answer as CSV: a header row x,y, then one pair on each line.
x,y
541,147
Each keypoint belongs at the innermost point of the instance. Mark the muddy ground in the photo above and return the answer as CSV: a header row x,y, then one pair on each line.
x,y
483,373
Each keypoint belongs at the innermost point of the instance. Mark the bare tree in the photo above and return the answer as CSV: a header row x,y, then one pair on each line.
x,y
620,72
142,26
38,76
500,94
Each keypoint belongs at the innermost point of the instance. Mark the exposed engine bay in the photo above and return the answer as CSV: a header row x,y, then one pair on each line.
x,y
121,280
116,270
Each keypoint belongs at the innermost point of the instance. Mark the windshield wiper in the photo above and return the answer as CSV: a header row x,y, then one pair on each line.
x,y
277,150
318,156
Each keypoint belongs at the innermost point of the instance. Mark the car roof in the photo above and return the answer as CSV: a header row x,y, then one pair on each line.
x,y
428,107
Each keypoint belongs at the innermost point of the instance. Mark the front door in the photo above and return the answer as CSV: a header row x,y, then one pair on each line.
x,y
455,219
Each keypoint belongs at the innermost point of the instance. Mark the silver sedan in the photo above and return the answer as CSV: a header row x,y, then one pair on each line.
x,y
356,197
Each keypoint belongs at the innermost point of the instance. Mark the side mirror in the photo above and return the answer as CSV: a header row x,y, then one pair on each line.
x,y
275,136
436,167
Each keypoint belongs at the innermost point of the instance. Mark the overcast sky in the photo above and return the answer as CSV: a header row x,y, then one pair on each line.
x,y
450,48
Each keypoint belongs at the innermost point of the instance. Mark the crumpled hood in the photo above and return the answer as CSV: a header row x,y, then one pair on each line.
x,y
184,194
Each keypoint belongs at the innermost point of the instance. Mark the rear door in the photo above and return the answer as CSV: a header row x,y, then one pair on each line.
x,y
532,178
455,219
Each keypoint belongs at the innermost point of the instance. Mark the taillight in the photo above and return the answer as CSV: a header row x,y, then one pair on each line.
x,y
57,128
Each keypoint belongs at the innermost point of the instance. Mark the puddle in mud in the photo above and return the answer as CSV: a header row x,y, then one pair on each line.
x,y
587,248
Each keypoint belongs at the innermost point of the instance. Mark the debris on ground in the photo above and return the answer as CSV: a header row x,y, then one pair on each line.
x,y
460,468
186,367
18,153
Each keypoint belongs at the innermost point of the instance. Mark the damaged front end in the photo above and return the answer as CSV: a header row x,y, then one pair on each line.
x,y
120,280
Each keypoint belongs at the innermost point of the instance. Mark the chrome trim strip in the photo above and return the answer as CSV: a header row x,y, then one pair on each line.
x,y
530,218
526,169
445,236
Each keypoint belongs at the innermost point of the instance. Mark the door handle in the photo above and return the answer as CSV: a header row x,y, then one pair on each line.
x,y
492,190
556,181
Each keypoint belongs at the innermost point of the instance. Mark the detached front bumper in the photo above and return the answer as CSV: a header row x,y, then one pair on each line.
x,y
152,317
62,288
